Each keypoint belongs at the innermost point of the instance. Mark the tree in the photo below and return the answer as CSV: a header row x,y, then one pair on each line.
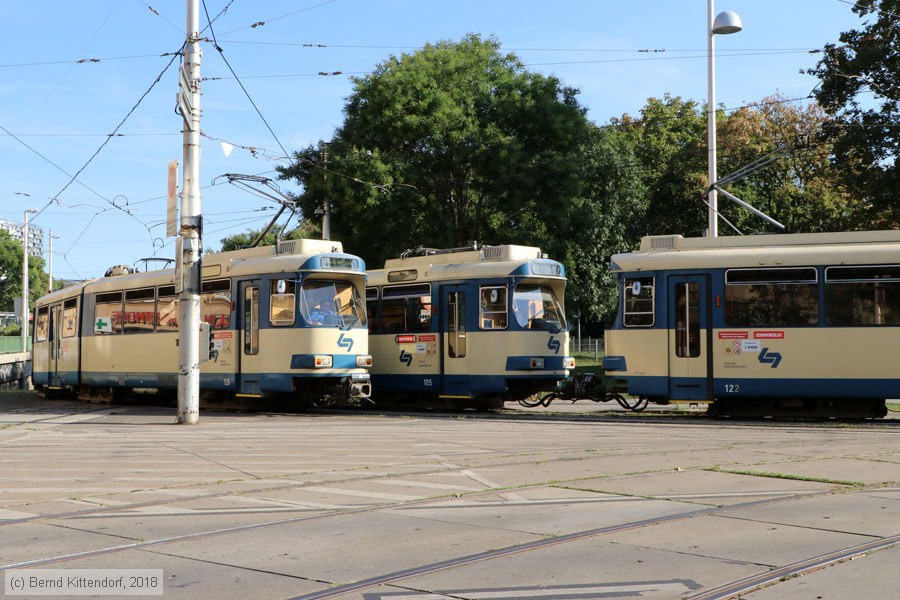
x,y
865,128
11,274
239,241
451,144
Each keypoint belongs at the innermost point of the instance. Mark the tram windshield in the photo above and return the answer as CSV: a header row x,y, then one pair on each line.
x,y
536,307
331,303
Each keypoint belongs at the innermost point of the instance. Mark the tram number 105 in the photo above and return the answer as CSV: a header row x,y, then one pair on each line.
x,y
427,383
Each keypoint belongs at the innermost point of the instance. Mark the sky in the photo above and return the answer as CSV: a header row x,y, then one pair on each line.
x,y
72,73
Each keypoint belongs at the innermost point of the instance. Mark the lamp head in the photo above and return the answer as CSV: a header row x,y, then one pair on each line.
x,y
727,22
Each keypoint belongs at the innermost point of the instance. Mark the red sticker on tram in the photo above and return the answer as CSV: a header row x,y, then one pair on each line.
x,y
733,335
405,339
768,335
427,338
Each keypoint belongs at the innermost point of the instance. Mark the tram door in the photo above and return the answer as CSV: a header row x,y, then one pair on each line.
x,y
249,367
690,375
454,353
54,335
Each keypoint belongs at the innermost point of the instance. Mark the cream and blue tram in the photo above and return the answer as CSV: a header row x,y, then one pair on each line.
x,y
467,327
284,322
768,325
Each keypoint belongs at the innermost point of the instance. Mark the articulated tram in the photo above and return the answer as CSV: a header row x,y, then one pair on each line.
x,y
467,327
800,324
284,322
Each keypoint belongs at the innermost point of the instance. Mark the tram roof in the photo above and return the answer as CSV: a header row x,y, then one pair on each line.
x,y
487,261
806,249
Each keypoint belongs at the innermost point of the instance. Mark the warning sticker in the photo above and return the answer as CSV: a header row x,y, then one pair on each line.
x,y
733,335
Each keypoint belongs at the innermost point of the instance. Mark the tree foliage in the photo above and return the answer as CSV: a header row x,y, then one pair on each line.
x,y
238,241
11,273
865,131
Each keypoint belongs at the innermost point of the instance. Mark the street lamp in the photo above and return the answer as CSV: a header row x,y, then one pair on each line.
x,y
25,280
726,22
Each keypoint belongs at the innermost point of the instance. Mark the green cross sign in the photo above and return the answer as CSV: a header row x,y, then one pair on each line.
x,y
100,324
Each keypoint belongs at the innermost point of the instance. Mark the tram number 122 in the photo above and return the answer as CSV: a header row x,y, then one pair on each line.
x,y
732,388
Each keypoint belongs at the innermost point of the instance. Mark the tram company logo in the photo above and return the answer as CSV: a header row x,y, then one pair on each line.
x,y
766,357
553,344
345,342
405,357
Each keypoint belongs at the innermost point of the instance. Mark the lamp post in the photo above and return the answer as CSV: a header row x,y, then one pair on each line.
x,y
25,311
726,22
50,261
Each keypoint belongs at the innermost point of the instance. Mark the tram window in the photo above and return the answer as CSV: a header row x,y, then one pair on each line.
x,y
139,314
215,303
166,309
456,326
687,320
771,297
282,301
251,320
331,303
536,307
406,309
862,296
493,311
70,318
372,308
638,302
108,313
42,325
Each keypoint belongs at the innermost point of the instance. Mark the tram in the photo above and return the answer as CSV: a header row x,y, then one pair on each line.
x,y
285,321
467,327
769,325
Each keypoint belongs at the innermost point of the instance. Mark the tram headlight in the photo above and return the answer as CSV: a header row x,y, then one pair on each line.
x,y
536,363
322,361
364,360
569,362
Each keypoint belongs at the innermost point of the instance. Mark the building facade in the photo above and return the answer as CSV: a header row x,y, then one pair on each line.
x,y
35,235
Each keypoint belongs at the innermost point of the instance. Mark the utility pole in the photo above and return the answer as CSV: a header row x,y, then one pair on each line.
x,y
50,260
187,279
326,215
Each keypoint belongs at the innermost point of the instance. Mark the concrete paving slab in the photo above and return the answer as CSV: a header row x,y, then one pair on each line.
x,y
186,579
873,577
857,513
589,568
867,472
545,511
30,541
705,487
764,543
355,547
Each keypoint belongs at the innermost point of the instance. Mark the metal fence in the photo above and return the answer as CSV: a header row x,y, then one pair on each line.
x,y
587,346
12,344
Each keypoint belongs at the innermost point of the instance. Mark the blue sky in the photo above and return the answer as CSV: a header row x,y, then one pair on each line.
x,y
56,112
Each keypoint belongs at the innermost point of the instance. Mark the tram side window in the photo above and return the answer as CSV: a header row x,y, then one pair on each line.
x,y
456,325
215,303
771,297
282,300
42,325
166,309
638,302
687,320
70,318
251,320
108,313
406,309
492,307
862,296
139,315
372,308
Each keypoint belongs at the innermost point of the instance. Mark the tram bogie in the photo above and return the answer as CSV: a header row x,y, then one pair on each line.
x,y
467,327
799,325
284,322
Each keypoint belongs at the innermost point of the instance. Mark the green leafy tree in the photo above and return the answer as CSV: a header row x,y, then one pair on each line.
x,y
11,273
451,144
239,241
860,87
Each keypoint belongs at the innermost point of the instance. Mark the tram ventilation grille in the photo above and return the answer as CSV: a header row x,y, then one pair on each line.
x,y
664,242
491,251
286,246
